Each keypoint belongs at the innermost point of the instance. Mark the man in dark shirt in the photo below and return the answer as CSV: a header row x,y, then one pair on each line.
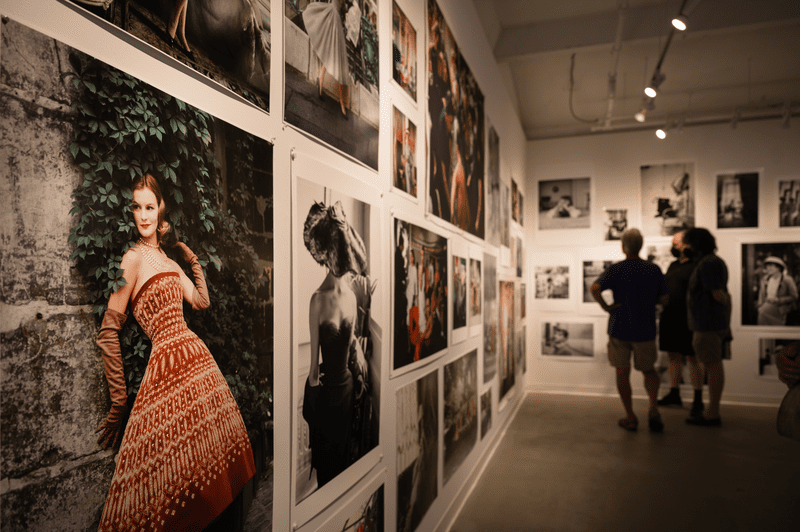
x,y
638,286
709,312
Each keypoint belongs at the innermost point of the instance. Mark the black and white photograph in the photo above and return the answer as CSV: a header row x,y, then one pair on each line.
x,y
459,292
519,261
404,52
363,513
475,292
552,282
591,271
460,428
491,313
506,364
737,200
229,44
144,215
789,206
493,194
770,276
417,450
331,74
515,204
567,339
337,349
667,198
565,203
659,254
456,145
404,153
421,274
616,222
768,348
505,215
486,412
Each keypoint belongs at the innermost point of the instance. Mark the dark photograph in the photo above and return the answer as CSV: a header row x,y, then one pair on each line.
x,y
404,153
459,292
789,207
404,52
486,412
475,292
460,411
506,364
770,276
493,198
768,349
737,200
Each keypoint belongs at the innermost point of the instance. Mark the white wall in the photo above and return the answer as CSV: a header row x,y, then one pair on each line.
x,y
613,162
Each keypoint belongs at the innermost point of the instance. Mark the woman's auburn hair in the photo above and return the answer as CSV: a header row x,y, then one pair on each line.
x,y
148,181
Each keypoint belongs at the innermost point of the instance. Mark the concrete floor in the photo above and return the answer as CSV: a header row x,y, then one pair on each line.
x,y
565,465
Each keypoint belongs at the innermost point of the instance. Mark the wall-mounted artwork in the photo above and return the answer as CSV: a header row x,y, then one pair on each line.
x,y
362,513
455,113
521,351
737,200
505,215
475,292
522,298
506,363
420,294
770,276
331,74
493,195
659,254
417,450
667,198
565,203
460,428
515,211
337,339
231,46
552,282
591,271
404,52
459,296
768,349
616,222
486,412
567,339
491,313
520,256
789,207
404,154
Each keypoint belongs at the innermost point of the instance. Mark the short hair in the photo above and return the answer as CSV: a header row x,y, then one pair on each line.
x,y
632,241
700,239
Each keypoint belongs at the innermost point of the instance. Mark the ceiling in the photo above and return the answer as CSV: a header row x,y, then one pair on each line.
x,y
738,60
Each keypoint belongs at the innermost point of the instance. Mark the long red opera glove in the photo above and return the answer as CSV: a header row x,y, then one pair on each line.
x,y
108,341
200,294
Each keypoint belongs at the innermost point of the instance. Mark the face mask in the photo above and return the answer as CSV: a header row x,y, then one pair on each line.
x,y
675,252
689,253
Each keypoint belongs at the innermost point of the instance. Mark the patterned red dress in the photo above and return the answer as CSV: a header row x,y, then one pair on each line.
x,y
185,454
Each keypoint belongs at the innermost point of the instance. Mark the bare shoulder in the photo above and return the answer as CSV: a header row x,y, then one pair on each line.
x,y
132,259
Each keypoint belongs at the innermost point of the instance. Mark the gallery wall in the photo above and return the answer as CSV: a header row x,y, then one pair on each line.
x,y
614,162
363,179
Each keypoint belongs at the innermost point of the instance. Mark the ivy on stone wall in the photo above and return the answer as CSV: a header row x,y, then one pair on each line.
x,y
123,129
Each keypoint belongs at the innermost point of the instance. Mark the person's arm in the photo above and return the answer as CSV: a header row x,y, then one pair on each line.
x,y
314,308
724,298
788,363
195,293
595,290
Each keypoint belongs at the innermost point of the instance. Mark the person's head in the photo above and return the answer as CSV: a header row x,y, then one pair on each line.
x,y
677,244
411,257
332,242
149,208
560,334
632,242
698,241
774,266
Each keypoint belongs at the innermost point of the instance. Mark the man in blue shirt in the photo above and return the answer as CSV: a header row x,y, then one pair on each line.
x,y
638,286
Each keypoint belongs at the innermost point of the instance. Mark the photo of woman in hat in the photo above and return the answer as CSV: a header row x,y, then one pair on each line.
x,y
777,293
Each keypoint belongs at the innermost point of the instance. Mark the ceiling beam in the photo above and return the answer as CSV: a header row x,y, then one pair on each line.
x,y
641,22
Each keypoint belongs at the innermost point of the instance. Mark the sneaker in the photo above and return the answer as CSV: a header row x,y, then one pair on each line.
x,y
671,399
697,409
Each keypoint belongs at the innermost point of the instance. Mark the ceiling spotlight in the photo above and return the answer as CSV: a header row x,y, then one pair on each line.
x,y
661,133
680,22
652,89
640,116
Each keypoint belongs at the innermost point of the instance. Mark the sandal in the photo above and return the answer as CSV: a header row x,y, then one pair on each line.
x,y
655,423
629,424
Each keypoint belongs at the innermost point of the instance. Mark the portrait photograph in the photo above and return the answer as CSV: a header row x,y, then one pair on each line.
x,y
486,412
667,198
404,52
456,145
230,46
770,276
417,450
331,74
475,292
491,314
421,272
494,218
337,360
789,206
404,153
768,349
737,200
616,222
459,292
99,195
460,428
567,339
507,340
565,203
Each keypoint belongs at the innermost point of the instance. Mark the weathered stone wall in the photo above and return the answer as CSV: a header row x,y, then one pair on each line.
x,y
52,389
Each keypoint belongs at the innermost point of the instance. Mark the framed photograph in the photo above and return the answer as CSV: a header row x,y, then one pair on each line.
x,y
460,428
667,198
506,365
616,222
494,217
737,200
455,115
659,252
522,298
486,412
770,275
568,339
475,294
417,449
337,339
519,263
491,316
554,287
420,276
404,154
515,206
364,511
789,206
768,348
590,271
231,47
505,216
565,203
404,52
331,74
459,294
521,352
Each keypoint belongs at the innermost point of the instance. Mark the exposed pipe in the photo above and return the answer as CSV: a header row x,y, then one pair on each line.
x,y
612,75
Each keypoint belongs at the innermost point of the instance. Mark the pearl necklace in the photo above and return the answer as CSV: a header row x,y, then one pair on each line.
x,y
158,263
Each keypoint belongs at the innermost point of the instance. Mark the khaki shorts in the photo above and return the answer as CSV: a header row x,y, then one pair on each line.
x,y
644,354
709,345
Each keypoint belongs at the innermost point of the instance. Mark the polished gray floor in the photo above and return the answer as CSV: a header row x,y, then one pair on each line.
x,y
565,465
